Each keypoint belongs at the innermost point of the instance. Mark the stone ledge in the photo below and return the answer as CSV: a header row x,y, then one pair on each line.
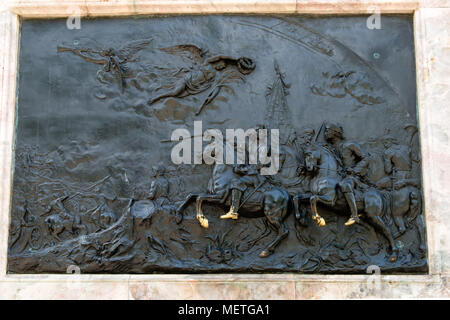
x,y
91,8
355,7
267,277
63,8
74,288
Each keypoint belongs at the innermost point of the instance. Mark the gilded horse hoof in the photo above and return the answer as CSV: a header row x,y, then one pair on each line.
x,y
203,221
394,256
320,221
265,253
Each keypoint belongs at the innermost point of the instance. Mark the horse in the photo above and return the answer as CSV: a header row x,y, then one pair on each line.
x,y
324,188
267,201
406,209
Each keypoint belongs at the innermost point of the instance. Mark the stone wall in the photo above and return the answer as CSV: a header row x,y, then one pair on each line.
x,y
432,43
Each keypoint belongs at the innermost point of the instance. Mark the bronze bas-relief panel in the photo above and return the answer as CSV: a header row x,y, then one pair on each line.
x,y
95,187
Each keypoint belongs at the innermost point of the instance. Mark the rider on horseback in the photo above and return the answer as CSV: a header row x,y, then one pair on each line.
x,y
246,175
355,163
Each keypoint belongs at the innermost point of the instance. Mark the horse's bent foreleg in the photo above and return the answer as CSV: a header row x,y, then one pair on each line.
x,y
205,197
300,212
314,200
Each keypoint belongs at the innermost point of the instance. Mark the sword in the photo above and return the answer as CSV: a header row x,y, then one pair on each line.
x,y
211,96
318,132
248,197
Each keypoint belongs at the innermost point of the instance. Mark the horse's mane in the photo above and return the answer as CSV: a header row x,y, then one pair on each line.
x,y
321,147
328,152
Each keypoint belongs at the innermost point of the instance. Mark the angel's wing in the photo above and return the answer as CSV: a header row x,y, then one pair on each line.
x,y
188,52
128,50
88,49
86,46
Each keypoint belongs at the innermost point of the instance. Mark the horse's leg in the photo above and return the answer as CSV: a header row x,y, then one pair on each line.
x,y
296,201
418,218
206,197
373,207
282,232
378,223
181,207
300,212
420,224
326,199
401,202
264,234
400,225
275,211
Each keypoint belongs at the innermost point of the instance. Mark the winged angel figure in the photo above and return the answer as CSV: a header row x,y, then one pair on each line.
x,y
113,60
203,74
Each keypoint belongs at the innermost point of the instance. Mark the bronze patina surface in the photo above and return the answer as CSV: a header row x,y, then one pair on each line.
x,y
95,186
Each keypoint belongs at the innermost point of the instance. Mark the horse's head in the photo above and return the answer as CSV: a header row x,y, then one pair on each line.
x,y
312,157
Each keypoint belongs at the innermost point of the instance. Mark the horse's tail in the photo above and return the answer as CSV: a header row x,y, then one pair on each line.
x,y
387,207
414,213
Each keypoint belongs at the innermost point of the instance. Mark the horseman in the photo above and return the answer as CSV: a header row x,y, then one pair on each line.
x,y
290,166
398,163
398,167
355,163
306,138
245,175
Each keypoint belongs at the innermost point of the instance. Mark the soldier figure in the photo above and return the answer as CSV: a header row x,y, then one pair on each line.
x,y
355,163
59,219
245,175
307,135
202,76
290,165
159,189
57,206
397,162
26,225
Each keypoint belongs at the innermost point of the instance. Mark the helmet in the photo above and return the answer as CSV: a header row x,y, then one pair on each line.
x,y
337,130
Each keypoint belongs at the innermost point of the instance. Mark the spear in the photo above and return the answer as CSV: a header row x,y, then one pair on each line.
x,y
89,188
